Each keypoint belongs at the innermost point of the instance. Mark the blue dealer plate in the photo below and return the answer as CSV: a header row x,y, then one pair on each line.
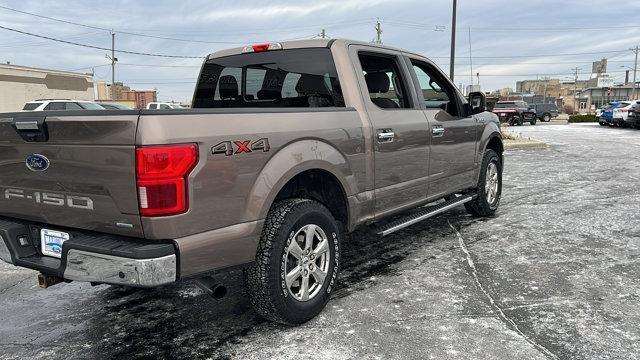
x,y
51,242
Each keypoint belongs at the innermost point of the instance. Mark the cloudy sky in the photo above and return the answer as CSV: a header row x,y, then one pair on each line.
x,y
510,40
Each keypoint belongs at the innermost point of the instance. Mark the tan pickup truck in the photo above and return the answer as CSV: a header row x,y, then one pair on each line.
x,y
287,147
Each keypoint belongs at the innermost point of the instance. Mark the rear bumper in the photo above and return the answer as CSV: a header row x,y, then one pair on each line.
x,y
91,257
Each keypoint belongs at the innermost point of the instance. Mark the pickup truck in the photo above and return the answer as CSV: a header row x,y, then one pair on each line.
x,y
515,112
288,147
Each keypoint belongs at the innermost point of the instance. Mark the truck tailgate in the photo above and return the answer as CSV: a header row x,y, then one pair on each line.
x,y
71,169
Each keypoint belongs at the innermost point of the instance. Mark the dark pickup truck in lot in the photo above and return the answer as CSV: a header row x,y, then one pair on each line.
x,y
287,147
515,112
545,112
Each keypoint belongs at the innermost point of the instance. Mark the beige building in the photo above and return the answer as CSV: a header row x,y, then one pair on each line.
x,y
20,84
546,87
124,95
104,91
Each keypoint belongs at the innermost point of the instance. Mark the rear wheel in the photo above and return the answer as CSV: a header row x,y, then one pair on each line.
x,y
489,188
533,121
546,117
297,262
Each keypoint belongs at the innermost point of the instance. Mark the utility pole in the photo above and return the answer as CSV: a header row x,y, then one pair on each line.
x,y
635,69
452,59
323,34
575,88
378,32
471,60
113,65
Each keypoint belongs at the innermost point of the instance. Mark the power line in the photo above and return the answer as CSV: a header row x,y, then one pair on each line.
x,y
101,48
116,31
539,55
348,23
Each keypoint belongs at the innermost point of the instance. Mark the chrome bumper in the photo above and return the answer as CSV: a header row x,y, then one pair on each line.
x,y
91,257
91,267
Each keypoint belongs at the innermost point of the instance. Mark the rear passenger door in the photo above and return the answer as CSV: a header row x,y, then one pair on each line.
x,y
452,130
398,127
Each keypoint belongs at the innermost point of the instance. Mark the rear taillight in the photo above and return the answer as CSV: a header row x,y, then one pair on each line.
x,y
161,173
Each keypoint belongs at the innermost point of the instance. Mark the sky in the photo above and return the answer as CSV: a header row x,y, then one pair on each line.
x,y
510,40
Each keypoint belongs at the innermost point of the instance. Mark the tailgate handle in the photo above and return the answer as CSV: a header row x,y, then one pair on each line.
x,y
32,129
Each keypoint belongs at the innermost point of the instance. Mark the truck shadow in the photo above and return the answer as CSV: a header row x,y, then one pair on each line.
x,y
181,321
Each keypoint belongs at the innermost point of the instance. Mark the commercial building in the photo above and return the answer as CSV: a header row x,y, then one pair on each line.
x,y
104,90
544,87
20,84
124,95
140,97
592,98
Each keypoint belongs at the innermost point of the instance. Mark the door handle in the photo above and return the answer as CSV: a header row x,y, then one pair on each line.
x,y
437,131
386,135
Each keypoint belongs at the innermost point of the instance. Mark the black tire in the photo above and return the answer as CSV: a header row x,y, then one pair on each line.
x,y
480,207
602,123
269,295
520,121
546,117
533,121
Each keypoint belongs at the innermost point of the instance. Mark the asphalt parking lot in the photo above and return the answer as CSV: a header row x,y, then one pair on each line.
x,y
556,274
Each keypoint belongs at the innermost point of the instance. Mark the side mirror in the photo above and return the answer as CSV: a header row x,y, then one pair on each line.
x,y
477,103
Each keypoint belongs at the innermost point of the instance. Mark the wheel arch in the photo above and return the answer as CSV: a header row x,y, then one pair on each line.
x,y
288,170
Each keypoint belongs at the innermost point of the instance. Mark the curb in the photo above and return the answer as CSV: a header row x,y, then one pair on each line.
x,y
529,144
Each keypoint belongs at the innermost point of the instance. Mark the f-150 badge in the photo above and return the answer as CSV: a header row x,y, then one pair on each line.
x,y
240,146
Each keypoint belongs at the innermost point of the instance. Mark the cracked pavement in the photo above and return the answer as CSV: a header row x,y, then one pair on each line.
x,y
555,275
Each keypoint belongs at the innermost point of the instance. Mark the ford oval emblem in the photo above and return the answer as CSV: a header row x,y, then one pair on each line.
x,y
37,162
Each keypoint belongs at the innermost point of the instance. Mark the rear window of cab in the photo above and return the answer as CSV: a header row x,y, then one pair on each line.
x,y
295,78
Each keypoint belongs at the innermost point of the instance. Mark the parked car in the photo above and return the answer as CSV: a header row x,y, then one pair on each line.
x,y
164,106
297,144
61,104
621,112
545,112
515,112
115,106
615,113
600,113
633,118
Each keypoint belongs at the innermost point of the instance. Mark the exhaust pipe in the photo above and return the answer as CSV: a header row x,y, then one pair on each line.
x,y
215,289
45,281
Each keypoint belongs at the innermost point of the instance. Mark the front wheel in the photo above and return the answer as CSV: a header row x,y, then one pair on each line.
x,y
489,188
297,262
546,117
533,121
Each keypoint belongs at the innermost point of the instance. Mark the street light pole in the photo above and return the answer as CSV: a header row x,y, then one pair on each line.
x,y
113,66
453,42
635,69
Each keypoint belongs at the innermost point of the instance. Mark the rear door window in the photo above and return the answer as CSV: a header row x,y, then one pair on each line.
x,y
385,82
153,106
31,106
280,78
72,106
55,106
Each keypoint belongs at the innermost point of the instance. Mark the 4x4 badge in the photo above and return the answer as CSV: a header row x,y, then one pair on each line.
x,y
241,146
